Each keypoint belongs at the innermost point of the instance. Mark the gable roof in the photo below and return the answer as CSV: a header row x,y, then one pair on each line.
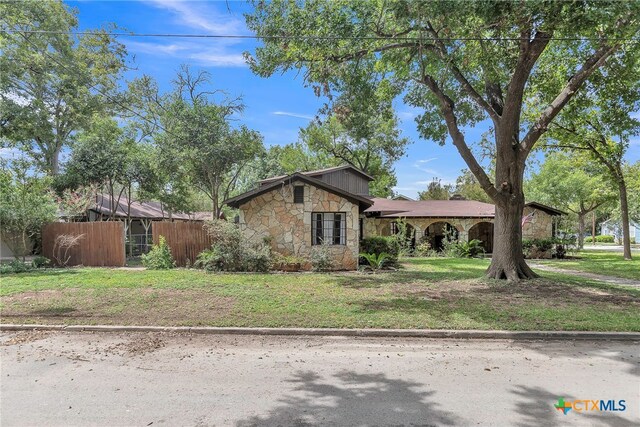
x,y
146,210
236,202
544,208
318,172
388,208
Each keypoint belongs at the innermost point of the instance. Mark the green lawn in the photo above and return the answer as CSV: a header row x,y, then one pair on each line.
x,y
426,293
601,262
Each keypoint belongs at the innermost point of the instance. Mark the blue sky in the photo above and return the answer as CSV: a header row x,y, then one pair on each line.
x,y
277,106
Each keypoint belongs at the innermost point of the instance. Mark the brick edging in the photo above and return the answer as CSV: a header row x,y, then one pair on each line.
x,y
407,333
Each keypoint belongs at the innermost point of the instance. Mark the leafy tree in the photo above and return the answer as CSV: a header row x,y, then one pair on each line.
x,y
463,63
197,133
282,160
572,183
436,191
51,82
27,205
601,122
372,150
468,187
100,157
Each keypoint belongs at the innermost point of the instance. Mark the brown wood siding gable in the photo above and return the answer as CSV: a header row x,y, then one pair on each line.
x,y
347,181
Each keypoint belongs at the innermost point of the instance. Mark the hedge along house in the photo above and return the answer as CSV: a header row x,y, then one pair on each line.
x,y
299,211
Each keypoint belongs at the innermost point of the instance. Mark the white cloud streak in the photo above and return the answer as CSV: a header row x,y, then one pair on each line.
x,y
296,115
200,16
206,52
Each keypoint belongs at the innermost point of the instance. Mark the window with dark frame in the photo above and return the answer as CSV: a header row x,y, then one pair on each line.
x,y
329,228
298,194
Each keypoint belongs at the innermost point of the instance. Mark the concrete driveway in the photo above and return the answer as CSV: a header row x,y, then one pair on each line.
x,y
138,379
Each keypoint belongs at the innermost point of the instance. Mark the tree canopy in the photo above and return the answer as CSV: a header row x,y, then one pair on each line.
x,y
52,82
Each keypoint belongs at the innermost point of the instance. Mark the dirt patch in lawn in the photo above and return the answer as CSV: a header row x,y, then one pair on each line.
x,y
125,306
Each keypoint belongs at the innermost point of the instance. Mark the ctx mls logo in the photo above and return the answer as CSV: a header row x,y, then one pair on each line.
x,y
590,405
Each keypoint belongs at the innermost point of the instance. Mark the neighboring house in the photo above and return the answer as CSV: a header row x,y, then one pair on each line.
x,y
142,216
611,227
299,211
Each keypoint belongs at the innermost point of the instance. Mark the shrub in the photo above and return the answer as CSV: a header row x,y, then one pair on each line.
x,y
210,260
15,266
231,252
40,262
321,259
258,258
470,249
547,248
159,257
376,262
601,239
379,244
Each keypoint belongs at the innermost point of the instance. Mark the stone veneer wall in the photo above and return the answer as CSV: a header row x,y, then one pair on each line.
x,y
382,226
540,227
274,215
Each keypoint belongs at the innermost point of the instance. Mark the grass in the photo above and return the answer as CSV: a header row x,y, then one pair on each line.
x,y
601,262
426,293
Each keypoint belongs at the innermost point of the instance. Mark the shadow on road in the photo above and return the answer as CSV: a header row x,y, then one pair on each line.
x,y
349,398
622,352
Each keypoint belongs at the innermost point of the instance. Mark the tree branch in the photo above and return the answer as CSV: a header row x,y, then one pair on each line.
x,y
530,51
574,83
447,109
466,85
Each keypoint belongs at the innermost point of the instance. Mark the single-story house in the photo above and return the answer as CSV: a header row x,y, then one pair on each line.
x,y
298,211
613,227
142,215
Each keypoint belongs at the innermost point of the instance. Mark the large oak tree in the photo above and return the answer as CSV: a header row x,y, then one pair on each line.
x,y
462,63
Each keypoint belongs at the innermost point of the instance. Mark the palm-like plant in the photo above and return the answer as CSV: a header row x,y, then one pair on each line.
x,y
376,262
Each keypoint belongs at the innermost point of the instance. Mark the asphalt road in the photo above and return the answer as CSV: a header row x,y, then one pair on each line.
x,y
82,379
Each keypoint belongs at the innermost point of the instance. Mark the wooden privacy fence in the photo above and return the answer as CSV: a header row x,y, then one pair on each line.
x,y
101,244
186,239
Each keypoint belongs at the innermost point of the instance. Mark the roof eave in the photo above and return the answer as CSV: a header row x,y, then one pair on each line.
x,y
236,202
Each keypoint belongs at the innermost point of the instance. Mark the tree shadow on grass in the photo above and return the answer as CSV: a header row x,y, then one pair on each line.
x,y
350,398
536,409
388,278
41,272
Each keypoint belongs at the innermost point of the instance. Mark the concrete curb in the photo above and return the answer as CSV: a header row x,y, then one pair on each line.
x,y
407,333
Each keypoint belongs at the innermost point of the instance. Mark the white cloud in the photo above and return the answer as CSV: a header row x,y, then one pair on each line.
x,y
219,59
296,115
213,53
200,15
419,164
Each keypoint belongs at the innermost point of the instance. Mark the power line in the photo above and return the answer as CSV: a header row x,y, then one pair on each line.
x,y
283,37
96,88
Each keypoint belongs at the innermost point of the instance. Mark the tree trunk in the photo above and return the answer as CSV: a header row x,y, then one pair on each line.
x,y
508,261
54,162
624,211
581,228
